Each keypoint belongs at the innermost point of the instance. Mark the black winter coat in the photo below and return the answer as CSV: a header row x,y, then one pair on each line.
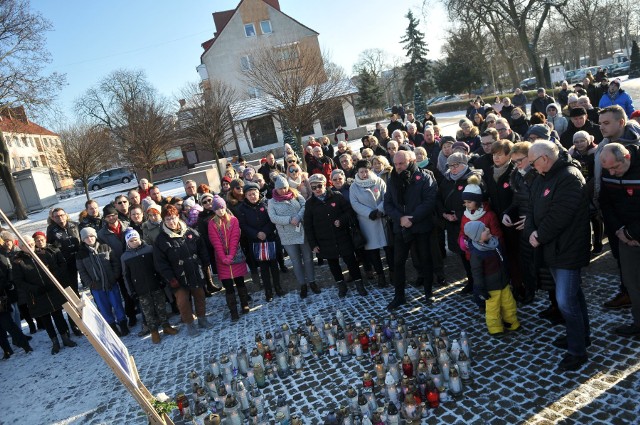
x,y
500,193
6,279
520,126
559,212
140,276
319,229
566,140
94,222
115,241
521,186
39,292
67,240
418,200
450,193
254,218
90,274
182,256
540,104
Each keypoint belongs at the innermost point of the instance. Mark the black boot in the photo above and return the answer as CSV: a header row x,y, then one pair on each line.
x,y
124,329
67,341
115,328
277,287
382,281
342,289
304,291
55,347
230,297
26,347
7,354
314,288
360,288
243,294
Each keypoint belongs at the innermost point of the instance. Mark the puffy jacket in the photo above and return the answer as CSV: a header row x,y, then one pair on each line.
x,y
34,287
366,198
150,232
418,200
280,213
181,255
319,228
566,139
521,186
622,98
488,268
97,266
140,276
560,214
559,122
620,197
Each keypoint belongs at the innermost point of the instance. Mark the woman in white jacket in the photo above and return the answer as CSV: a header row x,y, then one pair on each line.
x,y
367,200
286,211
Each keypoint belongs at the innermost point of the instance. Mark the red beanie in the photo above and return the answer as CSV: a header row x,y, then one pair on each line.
x,y
39,233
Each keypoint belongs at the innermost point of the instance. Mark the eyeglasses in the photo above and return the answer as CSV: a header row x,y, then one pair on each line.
x,y
534,161
294,170
454,165
316,186
122,202
519,161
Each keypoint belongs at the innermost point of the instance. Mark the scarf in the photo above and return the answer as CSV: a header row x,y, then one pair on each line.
x,y
490,245
281,198
369,182
474,215
402,180
499,171
456,176
442,162
423,164
295,183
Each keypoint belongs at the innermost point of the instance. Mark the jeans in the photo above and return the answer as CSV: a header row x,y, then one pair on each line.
x,y
109,302
573,307
302,260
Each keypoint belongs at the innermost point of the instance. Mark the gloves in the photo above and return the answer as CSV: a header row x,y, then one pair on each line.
x,y
481,292
174,283
373,215
226,260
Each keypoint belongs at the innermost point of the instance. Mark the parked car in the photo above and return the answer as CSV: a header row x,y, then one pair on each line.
x,y
529,83
110,177
621,68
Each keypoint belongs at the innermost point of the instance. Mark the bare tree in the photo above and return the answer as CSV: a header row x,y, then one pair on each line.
x,y
23,57
206,117
128,106
298,84
87,151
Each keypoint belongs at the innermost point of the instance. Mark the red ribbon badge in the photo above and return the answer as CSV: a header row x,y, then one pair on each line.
x,y
630,191
460,187
546,192
262,209
418,177
333,204
505,185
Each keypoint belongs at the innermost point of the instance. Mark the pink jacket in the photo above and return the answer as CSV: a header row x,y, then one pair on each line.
x,y
226,241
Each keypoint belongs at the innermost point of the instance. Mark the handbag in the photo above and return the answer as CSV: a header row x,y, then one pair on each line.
x,y
264,251
357,237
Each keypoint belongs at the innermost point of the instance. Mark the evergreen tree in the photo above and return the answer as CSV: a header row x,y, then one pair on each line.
x,y
417,69
290,138
370,94
547,74
634,68
418,103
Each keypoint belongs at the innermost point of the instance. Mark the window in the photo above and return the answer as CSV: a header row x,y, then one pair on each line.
x,y
254,92
265,27
46,142
25,142
246,63
262,131
249,30
23,163
14,163
16,141
34,162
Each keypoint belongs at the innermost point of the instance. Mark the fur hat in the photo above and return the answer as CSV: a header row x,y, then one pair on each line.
x,y
473,191
473,229
88,231
218,203
577,112
457,158
131,233
108,210
539,130
281,183
461,145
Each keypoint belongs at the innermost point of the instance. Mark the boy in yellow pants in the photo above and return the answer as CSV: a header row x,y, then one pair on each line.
x,y
490,278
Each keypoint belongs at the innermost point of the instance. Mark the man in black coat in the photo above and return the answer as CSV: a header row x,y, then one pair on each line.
x,y
620,203
410,201
64,235
579,121
270,166
540,103
92,217
558,227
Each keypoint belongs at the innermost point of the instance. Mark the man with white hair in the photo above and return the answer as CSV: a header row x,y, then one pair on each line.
x,y
504,131
558,227
620,203
392,149
415,137
343,148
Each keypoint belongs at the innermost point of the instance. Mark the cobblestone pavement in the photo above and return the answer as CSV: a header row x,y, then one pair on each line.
x,y
514,378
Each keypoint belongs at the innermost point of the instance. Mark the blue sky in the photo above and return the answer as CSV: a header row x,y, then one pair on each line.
x,y
91,39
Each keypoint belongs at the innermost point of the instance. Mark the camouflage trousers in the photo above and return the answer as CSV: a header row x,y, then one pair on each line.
x,y
153,309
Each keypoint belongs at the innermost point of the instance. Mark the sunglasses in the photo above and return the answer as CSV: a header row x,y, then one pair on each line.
x,y
122,202
208,201
294,170
291,161
316,186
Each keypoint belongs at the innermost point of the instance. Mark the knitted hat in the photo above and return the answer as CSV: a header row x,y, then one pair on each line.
x,y
247,171
539,130
109,209
577,112
582,135
461,145
541,90
281,183
473,191
189,202
363,163
226,179
250,186
474,229
616,82
131,233
39,233
572,98
205,196
235,183
446,139
154,206
218,203
88,231
457,158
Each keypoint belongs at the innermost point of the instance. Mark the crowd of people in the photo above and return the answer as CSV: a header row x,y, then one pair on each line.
x,y
524,203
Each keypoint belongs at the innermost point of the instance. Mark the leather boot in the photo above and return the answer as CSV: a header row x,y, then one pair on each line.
x,y
167,329
124,329
67,341
55,348
230,297
26,347
314,288
360,288
382,281
155,337
304,290
342,289
210,286
243,294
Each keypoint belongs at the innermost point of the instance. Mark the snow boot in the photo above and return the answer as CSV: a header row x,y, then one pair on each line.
x,y
124,329
55,348
115,329
67,341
